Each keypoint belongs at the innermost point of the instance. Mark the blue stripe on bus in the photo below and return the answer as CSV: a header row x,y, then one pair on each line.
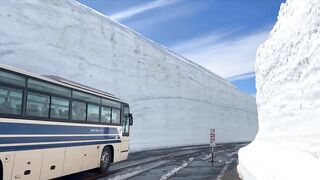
x,y
23,128
47,146
11,140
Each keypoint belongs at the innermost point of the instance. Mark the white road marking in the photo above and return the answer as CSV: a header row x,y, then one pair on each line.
x,y
208,156
223,171
135,171
122,164
177,169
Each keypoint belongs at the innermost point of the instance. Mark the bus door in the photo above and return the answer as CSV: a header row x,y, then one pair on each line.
x,y
125,131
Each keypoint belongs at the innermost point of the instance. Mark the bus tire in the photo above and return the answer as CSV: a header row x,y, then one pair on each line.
x,y
105,160
1,171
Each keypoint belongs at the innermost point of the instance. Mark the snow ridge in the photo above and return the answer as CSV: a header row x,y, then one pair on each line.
x,y
287,145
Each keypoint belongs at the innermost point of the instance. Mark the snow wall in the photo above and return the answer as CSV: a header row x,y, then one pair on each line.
x,y
287,145
174,101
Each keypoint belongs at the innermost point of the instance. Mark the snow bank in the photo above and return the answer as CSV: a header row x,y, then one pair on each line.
x,y
174,101
287,145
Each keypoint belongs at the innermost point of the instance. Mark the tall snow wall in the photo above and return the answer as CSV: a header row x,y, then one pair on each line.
x,y
287,145
174,101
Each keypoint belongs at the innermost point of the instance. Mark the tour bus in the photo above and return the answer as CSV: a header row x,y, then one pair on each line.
x,y
52,127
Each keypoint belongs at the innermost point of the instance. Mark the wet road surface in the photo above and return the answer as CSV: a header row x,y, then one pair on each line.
x,y
193,162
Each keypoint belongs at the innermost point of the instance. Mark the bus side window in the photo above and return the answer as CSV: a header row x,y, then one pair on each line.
x,y
10,101
115,116
59,108
14,79
105,115
37,105
79,110
93,113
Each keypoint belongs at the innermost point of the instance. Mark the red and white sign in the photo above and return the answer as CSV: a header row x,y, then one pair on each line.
x,y
212,137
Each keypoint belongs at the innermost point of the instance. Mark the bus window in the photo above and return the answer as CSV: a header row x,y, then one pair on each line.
x,y
48,88
85,97
125,124
13,79
78,111
111,103
37,105
59,108
93,113
115,116
105,115
10,101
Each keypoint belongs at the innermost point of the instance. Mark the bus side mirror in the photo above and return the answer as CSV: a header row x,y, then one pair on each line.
x,y
130,119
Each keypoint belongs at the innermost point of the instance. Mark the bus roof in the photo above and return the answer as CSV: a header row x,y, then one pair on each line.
x,y
64,82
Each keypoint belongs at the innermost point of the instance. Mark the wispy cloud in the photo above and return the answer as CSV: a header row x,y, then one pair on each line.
x,y
147,24
141,8
199,43
242,76
227,58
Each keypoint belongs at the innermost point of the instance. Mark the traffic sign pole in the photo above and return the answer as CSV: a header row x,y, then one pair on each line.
x,y
212,142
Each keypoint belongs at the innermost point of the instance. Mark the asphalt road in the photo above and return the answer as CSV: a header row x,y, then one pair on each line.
x,y
193,162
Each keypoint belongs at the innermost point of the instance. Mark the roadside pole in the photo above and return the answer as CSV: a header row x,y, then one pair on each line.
x,y
212,141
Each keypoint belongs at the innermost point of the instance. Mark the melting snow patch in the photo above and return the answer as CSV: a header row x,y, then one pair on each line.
x,y
177,169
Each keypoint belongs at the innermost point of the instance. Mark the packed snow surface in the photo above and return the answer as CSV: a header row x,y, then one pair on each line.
x,y
173,100
287,145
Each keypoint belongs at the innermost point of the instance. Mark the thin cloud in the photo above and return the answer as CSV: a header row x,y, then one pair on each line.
x,y
242,76
227,58
203,41
141,8
149,23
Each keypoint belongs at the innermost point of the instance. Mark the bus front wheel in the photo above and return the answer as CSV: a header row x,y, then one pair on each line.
x,y
105,160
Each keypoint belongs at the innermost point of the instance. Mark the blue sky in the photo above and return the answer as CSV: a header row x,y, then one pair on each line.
x,y
220,35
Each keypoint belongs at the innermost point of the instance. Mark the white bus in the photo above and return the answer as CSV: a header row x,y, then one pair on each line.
x,y
51,127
